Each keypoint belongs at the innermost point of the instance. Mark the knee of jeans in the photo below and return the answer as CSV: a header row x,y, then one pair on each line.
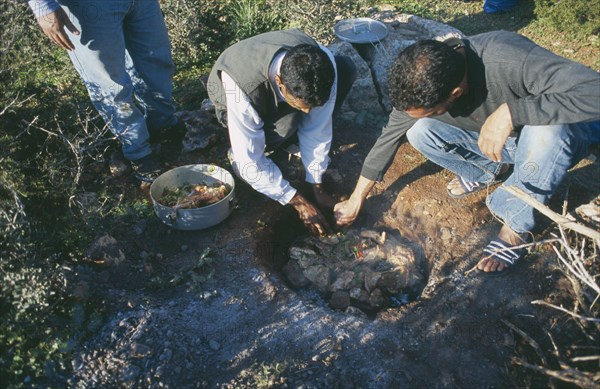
x,y
419,134
545,137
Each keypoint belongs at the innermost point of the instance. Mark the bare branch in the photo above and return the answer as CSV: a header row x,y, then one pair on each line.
x,y
555,217
590,319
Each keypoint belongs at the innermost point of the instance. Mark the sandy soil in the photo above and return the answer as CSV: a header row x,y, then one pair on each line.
x,y
236,323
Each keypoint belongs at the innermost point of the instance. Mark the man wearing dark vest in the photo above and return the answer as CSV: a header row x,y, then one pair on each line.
x,y
476,106
268,88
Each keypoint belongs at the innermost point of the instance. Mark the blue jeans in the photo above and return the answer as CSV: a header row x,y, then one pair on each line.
x,y
541,156
123,50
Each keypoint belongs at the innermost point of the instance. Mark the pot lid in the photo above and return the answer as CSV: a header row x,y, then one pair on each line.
x,y
360,30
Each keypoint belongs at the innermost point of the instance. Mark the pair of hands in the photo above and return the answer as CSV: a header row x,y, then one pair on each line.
x,y
345,212
53,26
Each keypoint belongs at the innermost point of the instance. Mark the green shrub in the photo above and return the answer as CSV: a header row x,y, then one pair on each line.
x,y
253,17
576,17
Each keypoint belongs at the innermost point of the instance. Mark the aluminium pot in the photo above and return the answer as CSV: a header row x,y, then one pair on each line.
x,y
195,218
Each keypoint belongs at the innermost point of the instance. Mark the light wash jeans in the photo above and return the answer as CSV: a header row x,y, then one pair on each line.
x,y
541,155
123,50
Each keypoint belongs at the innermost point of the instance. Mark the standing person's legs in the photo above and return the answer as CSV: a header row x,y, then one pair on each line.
x,y
99,58
148,45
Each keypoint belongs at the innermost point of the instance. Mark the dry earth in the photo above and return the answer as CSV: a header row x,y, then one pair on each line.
x,y
169,322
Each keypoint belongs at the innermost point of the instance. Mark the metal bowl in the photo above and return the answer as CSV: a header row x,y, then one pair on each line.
x,y
195,218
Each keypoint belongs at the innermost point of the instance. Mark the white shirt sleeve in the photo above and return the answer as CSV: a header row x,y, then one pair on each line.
x,y
247,139
43,7
315,134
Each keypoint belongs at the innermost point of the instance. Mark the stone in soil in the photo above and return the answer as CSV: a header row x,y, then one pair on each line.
x,y
365,269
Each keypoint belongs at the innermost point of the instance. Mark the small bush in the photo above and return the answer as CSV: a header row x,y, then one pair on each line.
x,y
576,17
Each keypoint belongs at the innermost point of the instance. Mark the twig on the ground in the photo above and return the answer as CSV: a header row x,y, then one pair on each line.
x,y
576,315
555,217
582,379
529,340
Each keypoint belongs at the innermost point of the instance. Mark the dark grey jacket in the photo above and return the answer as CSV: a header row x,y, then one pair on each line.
x,y
539,87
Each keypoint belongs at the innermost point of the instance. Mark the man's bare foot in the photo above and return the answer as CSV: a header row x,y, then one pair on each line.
x,y
457,189
490,264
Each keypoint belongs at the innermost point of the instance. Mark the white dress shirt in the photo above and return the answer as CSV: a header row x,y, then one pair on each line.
x,y
247,137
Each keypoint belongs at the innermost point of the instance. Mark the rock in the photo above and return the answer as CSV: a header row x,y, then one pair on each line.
x,y
363,95
339,300
214,345
319,275
139,350
105,251
370,91
446,235
343,281
202,130
304,256
129,374
117,165
393,281
359,295
377,299
166,355
371,280
373,235
293,272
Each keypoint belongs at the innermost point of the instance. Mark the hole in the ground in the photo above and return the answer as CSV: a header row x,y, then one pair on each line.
x,y
365,269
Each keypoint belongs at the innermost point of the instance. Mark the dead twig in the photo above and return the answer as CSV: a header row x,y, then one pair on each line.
x,y
580,378
555,217
529,340
578,316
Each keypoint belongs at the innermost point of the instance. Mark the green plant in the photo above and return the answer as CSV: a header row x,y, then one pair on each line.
x,y
576,17
252,17
29,294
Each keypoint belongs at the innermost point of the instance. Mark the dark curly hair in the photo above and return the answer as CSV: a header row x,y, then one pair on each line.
x,y
307,73
424,74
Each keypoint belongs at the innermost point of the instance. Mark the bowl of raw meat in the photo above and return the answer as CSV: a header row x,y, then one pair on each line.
x,y
193,197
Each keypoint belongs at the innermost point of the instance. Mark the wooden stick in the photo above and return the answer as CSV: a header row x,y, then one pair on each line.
x,y
580,378
592,319
529,340
555,217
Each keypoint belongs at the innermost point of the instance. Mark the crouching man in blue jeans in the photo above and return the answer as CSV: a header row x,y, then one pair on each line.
x,y
476,106
120,48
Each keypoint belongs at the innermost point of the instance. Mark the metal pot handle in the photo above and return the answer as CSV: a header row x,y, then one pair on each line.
x,y
171,218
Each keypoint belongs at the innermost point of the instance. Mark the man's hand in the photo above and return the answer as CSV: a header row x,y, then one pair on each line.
x,y
323,199
310,215
347,211
53,25
494,132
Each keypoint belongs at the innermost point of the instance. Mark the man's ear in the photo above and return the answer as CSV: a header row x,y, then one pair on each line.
x,y
278,81
456,93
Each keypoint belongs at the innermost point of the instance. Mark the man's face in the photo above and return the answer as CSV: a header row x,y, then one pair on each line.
x,y
294,102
